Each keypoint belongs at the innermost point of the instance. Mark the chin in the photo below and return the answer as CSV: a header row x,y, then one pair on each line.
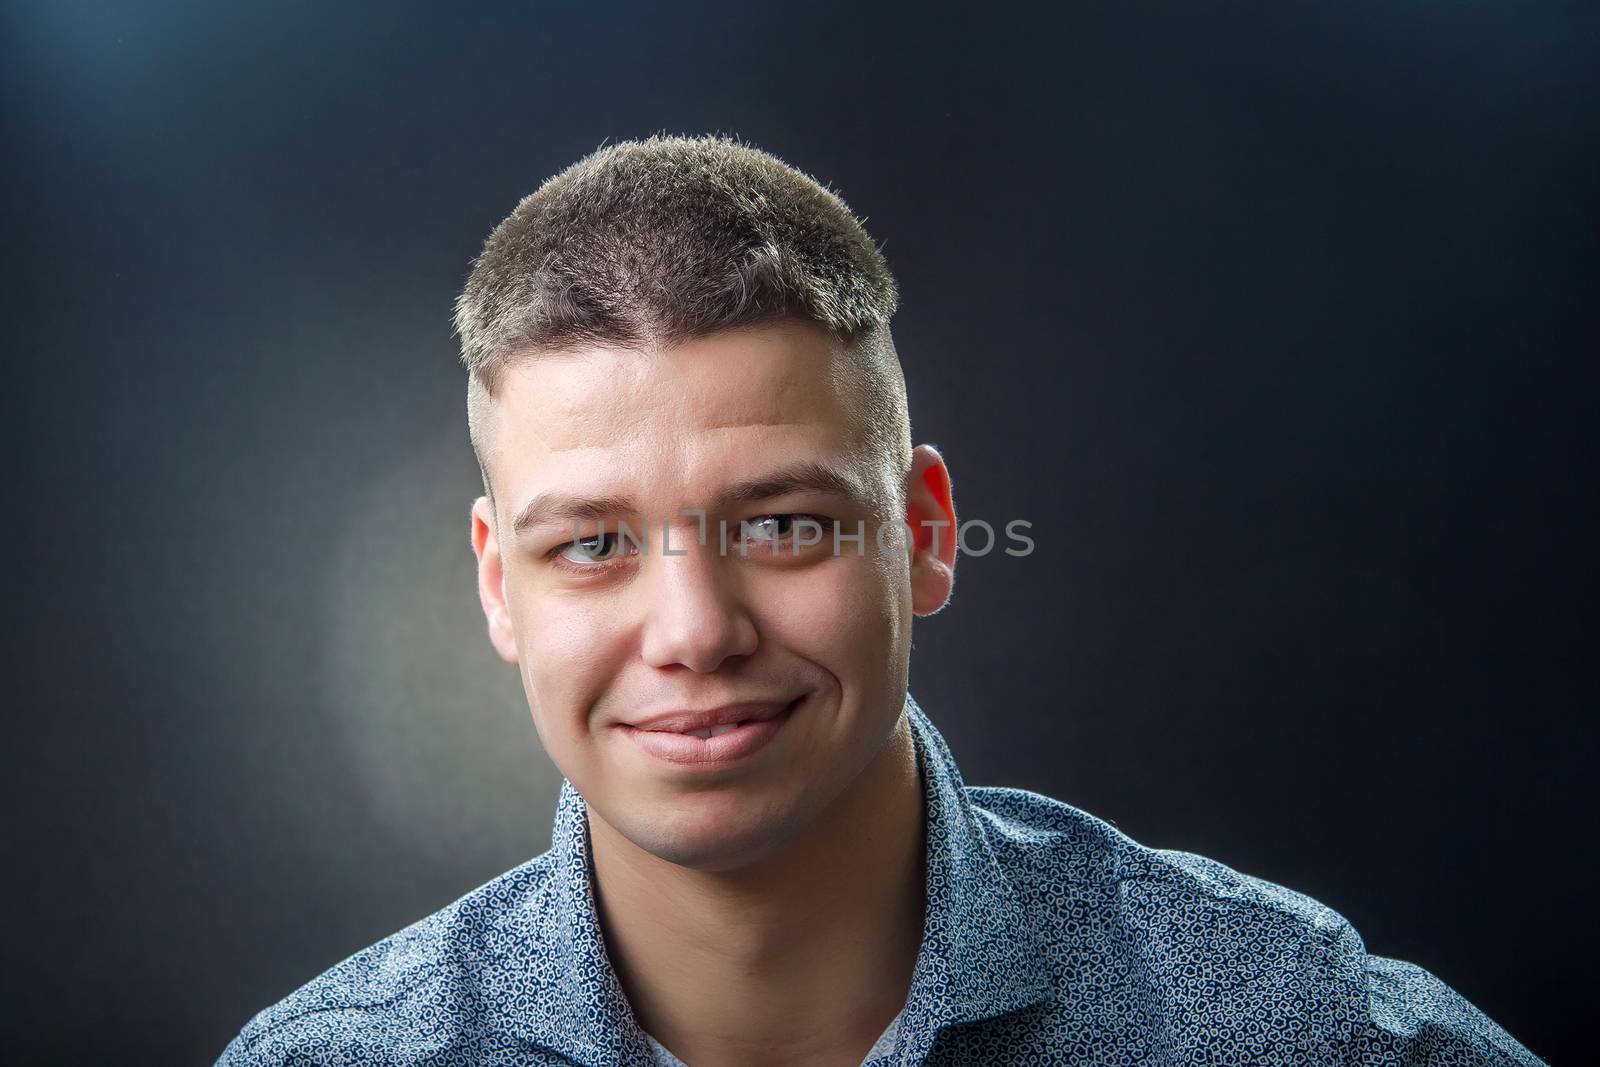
x,y
713,833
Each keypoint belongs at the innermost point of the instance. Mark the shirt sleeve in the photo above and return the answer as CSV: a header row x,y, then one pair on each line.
x,y
1416,1020
239,1054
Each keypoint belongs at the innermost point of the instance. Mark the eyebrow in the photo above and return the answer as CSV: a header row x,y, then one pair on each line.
x,y
556,507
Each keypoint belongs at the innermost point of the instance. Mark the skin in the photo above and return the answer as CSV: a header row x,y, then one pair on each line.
x,y
770,910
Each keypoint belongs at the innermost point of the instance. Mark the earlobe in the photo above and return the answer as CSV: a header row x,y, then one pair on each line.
x,y
931,516
491,581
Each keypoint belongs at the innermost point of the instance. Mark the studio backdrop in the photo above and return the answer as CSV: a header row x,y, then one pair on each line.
x,y
1275,322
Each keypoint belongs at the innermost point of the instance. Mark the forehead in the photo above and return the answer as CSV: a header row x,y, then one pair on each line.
x,y
766,376
682,419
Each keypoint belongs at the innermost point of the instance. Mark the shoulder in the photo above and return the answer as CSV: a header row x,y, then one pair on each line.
x,y
1201,939
1035,835
1170,897
411,998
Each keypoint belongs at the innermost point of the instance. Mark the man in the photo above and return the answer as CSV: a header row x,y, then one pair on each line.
x,y
703,540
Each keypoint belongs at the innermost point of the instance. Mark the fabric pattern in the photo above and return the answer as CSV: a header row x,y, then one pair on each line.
x,y
663,1056
1050,937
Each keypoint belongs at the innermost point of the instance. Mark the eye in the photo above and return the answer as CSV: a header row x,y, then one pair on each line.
x,y
598,549
774,529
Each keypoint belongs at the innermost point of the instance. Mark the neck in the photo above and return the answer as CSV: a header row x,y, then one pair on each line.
x,y
804,956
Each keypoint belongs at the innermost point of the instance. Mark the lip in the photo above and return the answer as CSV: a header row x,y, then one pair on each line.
x,y
681,722
666,736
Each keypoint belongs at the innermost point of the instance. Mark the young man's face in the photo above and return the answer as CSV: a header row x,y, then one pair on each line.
x,y
807,647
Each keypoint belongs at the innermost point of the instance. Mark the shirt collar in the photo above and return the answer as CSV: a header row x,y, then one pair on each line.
x,y
981,954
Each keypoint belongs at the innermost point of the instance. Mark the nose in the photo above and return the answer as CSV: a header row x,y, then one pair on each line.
x,y
695,614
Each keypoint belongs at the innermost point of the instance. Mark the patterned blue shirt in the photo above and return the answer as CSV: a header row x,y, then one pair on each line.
x,y
1050,938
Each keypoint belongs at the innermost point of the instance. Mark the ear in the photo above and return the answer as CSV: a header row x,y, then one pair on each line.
x,y
491,580
931,515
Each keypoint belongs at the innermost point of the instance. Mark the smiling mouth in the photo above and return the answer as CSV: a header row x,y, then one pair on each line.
x,y
713,721
680,738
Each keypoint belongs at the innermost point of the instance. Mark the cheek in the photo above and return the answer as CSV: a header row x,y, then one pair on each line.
x,y
568,656
845,615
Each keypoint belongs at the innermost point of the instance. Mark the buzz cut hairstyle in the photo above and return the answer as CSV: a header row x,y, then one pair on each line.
x,y
649,244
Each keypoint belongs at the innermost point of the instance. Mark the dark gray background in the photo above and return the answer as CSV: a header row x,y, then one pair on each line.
x,y
1277,322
